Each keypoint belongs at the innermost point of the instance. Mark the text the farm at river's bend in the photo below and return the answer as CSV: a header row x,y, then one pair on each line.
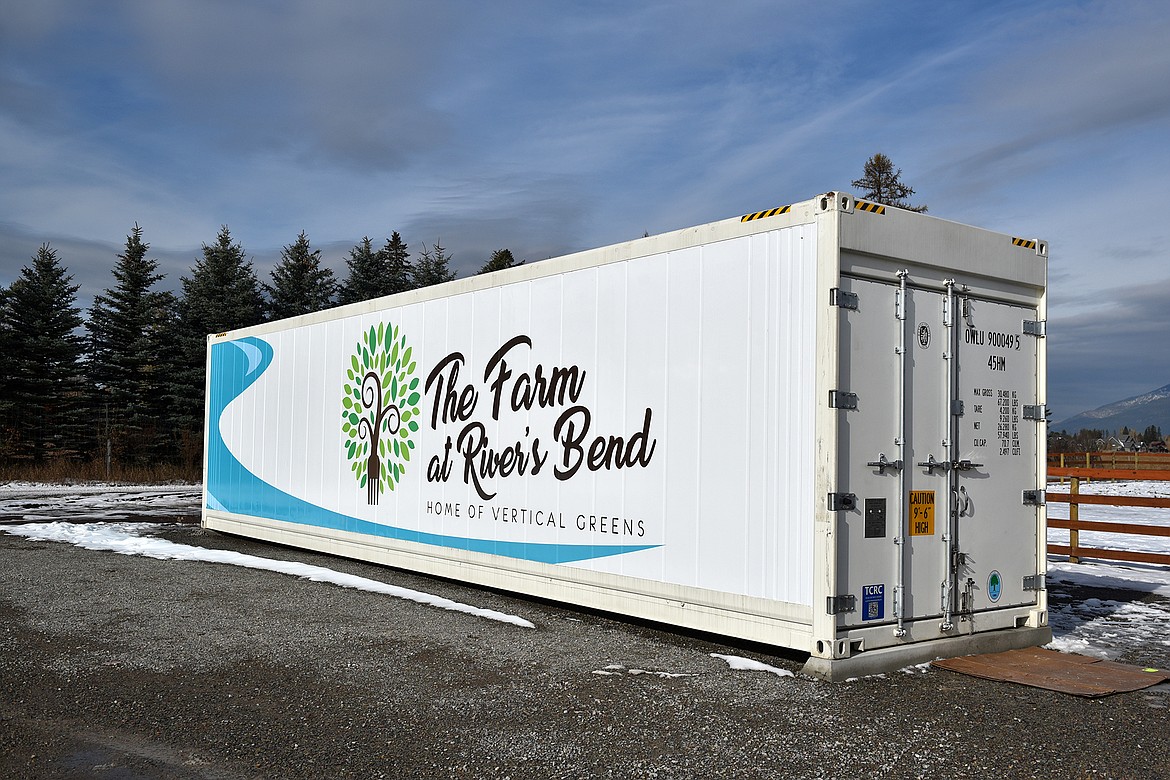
x,y
454,401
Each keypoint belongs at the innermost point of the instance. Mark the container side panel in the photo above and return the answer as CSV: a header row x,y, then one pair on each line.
x,y
683,409
650,418
724,420
649,328
791,402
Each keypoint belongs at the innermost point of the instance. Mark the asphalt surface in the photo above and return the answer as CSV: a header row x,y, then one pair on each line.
x,y
125,667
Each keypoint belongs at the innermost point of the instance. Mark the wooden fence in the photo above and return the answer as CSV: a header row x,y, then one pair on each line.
x,y
1127,467
1157,461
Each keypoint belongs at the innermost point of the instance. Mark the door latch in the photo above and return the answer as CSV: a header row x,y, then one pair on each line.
x,y
930,464
881,464
965,465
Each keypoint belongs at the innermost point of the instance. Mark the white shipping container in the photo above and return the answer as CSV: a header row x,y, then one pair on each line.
x,y
819,427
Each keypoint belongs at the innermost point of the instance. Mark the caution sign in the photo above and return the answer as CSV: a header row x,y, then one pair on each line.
x,y
922,513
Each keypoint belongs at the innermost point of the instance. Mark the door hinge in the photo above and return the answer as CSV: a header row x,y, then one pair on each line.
x,y
1037,412
836,605
842,502
846,300
1034,582
1034,497
1035,328
956,408
840,399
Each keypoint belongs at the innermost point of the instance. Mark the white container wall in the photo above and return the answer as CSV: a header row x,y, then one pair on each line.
x,y
682,428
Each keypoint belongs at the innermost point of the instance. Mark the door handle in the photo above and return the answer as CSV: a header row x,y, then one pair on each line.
x,y
930,464
881,464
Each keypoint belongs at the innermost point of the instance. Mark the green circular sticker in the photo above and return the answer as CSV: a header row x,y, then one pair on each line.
x,y
994,586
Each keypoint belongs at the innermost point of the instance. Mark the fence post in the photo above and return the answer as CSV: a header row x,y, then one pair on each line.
x,y
1074,534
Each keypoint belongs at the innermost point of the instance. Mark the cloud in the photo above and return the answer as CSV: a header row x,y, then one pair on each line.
x,y
1061,85
1118,349
323,83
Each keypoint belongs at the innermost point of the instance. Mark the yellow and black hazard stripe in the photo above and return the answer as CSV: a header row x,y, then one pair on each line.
x,y
1026,243
875,208
769,213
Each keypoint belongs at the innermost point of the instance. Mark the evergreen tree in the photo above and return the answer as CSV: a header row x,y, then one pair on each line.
x,y
130,329
500,259
882,184
375,274
221,294
299,284
433,266
396,263
364,274
45,415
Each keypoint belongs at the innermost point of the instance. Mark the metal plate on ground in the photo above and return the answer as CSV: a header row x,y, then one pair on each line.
x,y
1064,672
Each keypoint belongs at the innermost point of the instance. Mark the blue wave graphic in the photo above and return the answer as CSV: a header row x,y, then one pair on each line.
x,y
235,365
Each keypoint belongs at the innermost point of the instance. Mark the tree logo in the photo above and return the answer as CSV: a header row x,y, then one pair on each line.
x,y
994,586
379,406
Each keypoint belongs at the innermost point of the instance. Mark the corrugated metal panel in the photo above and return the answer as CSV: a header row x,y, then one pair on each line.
x,y
713,343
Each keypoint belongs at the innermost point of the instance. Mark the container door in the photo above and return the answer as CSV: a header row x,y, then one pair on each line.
x,y
894,553
996,462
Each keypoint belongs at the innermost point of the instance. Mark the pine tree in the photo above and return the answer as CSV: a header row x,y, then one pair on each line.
x,y
882,184
299,284
396,263
130,329
45,401
221,294
433,266
375,274
363,276
500,259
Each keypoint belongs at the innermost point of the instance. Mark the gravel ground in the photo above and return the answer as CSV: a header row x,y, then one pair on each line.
x,y
115,666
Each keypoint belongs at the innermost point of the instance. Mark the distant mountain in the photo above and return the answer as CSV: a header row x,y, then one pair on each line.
x,y
1137,414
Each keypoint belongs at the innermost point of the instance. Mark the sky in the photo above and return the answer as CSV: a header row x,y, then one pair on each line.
x,y
552,127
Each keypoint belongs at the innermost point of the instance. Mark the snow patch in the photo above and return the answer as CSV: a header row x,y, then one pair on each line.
x,y
618,669
741,664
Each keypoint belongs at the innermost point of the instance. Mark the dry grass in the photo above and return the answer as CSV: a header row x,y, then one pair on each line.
x,y
63,471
